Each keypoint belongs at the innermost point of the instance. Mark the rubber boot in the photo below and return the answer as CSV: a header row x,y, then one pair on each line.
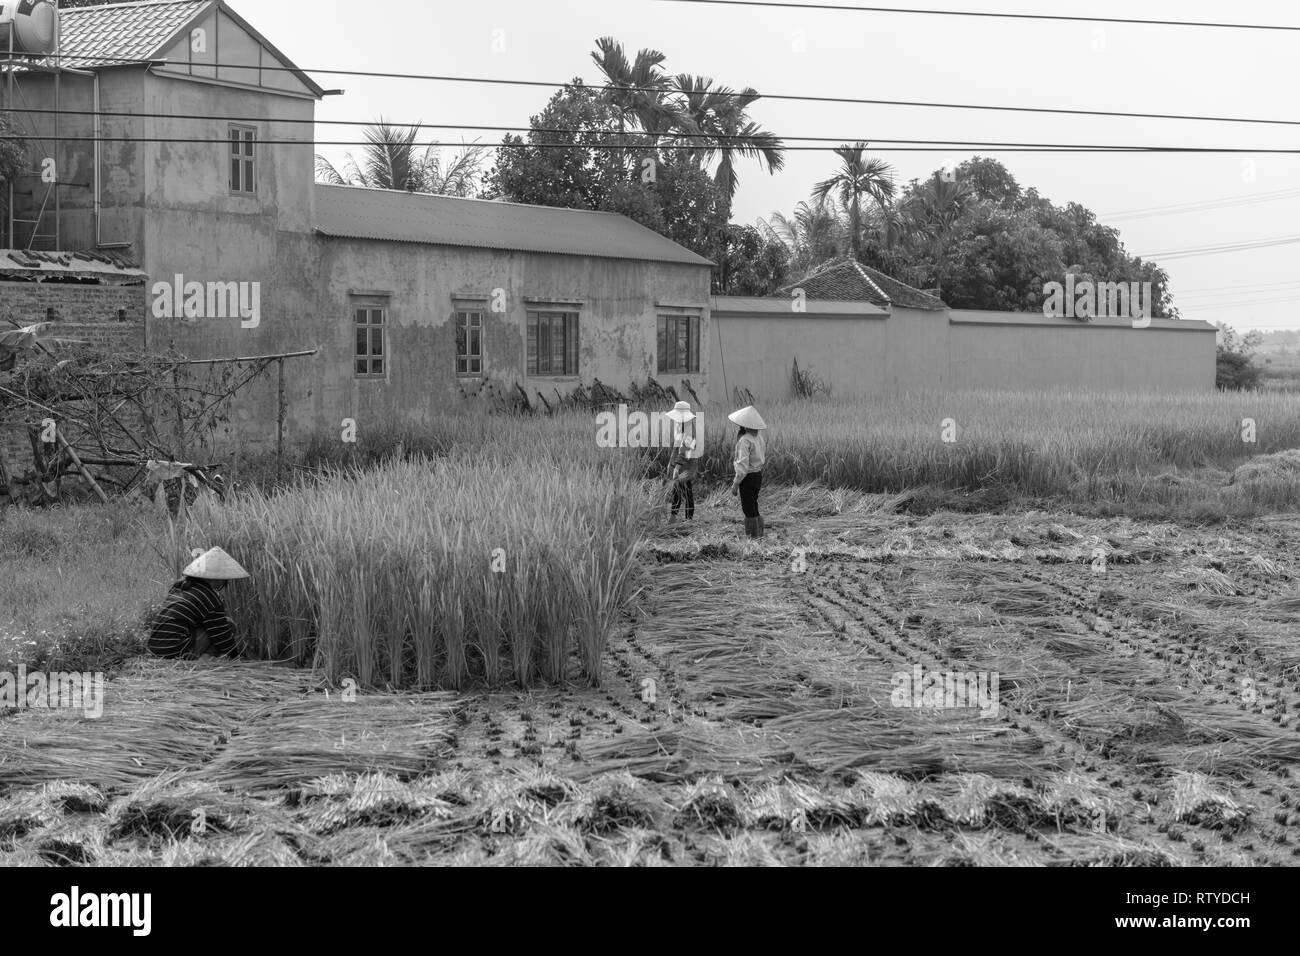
x,y
759,522
751,527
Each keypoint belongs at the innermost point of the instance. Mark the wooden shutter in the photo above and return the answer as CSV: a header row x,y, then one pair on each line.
x,y
532,343
661,343
571,343
693,342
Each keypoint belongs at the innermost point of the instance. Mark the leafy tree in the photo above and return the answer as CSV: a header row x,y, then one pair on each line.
x,y
13,158
750,263
392,160
1234,370
563,161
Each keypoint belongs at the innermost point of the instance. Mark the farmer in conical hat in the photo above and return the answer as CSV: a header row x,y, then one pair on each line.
x,y
751,453
193,621
684,465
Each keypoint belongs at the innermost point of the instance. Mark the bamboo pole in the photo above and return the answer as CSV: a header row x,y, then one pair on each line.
x,y
85,472
279,420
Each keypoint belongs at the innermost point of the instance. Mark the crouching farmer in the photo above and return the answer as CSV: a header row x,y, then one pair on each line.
x,y
194,621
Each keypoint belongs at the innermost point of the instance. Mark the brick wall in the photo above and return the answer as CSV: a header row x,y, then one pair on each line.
x,y
85,312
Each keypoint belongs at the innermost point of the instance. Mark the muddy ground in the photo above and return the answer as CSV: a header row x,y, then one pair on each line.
x,y
1148,680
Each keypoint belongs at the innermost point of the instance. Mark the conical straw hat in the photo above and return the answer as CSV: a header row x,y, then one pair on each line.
x,y
215,565
681,412
748,417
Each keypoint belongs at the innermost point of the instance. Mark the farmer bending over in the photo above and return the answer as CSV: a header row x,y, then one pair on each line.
x,y
194,621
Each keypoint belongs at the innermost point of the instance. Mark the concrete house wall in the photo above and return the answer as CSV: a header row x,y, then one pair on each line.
x,y
859,349
422,287
755,343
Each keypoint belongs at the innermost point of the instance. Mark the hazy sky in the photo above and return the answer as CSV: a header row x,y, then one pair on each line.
x,y
1115,67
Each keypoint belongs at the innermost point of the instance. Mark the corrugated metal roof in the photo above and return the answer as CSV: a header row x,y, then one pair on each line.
x,y
354,212
101,36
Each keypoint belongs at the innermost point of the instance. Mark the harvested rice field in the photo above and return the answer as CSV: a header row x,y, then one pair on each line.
x,y
1133,700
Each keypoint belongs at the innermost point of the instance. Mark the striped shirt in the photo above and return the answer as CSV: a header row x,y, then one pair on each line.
x,y
751,454
192,605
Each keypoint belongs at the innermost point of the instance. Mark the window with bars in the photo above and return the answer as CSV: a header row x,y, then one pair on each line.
x,y
243,173
552,343
469,342
679,343
370,323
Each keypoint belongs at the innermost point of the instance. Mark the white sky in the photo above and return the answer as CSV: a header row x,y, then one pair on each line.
x,y
1125,68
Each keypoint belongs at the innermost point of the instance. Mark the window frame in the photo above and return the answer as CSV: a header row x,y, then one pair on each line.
x,y
666,346
470,356
241,135
569,321
369,327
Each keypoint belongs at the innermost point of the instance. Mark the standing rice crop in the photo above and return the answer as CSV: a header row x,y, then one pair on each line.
x,y
430,573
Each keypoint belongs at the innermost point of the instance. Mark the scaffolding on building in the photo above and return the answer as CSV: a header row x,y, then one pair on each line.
x,y
38,226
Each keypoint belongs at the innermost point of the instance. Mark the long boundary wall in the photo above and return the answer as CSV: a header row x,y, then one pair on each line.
x,y
857,348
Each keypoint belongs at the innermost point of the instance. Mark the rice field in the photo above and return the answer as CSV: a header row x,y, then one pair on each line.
x,y
495,650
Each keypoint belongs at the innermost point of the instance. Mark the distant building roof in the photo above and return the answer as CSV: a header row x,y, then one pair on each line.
x,y
119,34
37,266
354,212
848,279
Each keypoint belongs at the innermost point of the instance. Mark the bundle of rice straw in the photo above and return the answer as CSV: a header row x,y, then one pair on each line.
x,y
1197,803
288,744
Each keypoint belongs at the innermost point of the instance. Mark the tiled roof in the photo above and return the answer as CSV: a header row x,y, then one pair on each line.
x,y
353,212
849,280
103,36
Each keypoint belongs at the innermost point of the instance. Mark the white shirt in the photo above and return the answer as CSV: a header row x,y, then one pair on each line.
x,y
751,453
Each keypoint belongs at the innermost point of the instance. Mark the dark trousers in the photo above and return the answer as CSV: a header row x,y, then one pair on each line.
x,y
684,491
749,486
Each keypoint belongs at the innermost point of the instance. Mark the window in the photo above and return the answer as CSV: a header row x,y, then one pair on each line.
x,y
552,343
370,341
469,342
679,343
243,177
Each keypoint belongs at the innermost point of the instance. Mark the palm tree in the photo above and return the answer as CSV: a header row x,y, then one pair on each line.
x,y
717,119
939,204
637,89
816,233
392,160
856,177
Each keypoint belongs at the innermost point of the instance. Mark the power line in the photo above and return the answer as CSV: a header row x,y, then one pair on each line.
x,y
1202,205
1002,16
379,74
954,146
1264,286
701,140
1222,248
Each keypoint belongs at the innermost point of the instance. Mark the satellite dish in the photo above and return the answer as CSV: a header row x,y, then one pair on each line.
x,y
31,25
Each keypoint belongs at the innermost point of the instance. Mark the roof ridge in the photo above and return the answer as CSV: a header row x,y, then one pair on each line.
x,y
78,11
872,282
494,202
